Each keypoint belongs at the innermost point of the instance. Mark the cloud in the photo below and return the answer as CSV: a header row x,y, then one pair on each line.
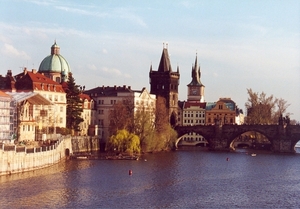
x,y
10,50
42,32
92,67
122,13
104,51
111,71
82,11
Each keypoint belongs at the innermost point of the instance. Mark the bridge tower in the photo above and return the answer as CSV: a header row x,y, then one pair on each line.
x,y
195,87
164,83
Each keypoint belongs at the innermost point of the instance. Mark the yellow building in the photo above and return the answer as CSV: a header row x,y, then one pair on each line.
x,y
223,111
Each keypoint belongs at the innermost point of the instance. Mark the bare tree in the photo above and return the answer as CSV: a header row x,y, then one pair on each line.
x,y
263,109
121,117
259,107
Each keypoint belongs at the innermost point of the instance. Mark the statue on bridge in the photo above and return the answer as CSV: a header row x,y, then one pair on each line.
x,y
284,120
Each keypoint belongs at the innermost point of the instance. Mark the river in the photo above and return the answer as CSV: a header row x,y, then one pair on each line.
x,y
190,178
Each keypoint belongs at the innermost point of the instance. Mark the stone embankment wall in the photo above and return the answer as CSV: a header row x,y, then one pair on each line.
x,y
85,144
14,159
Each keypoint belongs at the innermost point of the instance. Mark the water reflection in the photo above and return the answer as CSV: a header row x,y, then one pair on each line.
x,y
183,179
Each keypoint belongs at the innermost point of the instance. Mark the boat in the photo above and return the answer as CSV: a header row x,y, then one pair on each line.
x,y
253,154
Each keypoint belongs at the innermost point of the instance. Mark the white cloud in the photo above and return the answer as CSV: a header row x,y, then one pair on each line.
x,y
82,12
111,71
104,51
92,67
10,50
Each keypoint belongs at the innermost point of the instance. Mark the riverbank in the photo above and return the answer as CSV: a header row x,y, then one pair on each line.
x,y
17,159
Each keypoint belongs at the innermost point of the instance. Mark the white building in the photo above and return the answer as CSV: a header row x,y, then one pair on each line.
x,y
88,111
106,97
7,126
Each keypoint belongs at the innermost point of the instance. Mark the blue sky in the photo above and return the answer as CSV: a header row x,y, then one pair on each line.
x,y
240,44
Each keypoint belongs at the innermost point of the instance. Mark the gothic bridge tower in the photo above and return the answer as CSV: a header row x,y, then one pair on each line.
x,y
164,82
195,87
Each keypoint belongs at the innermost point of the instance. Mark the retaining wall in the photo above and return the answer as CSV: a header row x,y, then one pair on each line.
x,y
15,159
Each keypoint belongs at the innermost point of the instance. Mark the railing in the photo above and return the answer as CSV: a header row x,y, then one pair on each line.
x,y
43,148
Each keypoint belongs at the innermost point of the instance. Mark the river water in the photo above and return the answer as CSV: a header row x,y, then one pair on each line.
x,y
179,179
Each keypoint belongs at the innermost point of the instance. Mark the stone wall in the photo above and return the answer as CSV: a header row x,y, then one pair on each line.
x,y
85,144
15,159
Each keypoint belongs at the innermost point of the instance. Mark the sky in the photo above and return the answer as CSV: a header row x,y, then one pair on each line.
x,y
240,44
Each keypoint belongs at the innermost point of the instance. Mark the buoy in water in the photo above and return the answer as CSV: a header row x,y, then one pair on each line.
x,y
227,159
130,172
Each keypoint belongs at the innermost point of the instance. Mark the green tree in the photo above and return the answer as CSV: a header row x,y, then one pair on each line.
x,y
74,104
144,125
123,141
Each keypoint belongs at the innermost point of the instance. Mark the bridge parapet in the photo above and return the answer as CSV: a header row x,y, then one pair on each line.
x,y
282,137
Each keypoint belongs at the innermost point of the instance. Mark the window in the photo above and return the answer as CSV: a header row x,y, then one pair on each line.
x,y
43,113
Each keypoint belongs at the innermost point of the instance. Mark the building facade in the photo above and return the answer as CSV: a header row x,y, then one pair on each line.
x,y
223,112
7,117
41,103
88,112
164,83
106,97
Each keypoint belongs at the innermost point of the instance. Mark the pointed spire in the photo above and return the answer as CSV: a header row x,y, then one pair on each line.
x,y
196,60
164,64
196,73
151,67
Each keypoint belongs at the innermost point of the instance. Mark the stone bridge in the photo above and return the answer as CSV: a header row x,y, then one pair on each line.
x,y
283,138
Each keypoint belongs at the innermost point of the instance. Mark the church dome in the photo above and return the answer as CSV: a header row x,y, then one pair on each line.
x,y
55,63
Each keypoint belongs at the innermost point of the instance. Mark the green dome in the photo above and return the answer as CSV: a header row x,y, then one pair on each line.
x,y
55,63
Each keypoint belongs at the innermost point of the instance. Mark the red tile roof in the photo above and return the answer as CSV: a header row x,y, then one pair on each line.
x,y
31,81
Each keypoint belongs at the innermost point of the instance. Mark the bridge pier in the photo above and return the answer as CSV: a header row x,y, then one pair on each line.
x,y
218,143
282,143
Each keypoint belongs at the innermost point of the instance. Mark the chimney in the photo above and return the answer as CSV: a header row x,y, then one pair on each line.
x,y
25,70
129,87
34,71
115,87
124,87
9,73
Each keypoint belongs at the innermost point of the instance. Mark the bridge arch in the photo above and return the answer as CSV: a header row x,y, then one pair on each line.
x,y
232,132
203,130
